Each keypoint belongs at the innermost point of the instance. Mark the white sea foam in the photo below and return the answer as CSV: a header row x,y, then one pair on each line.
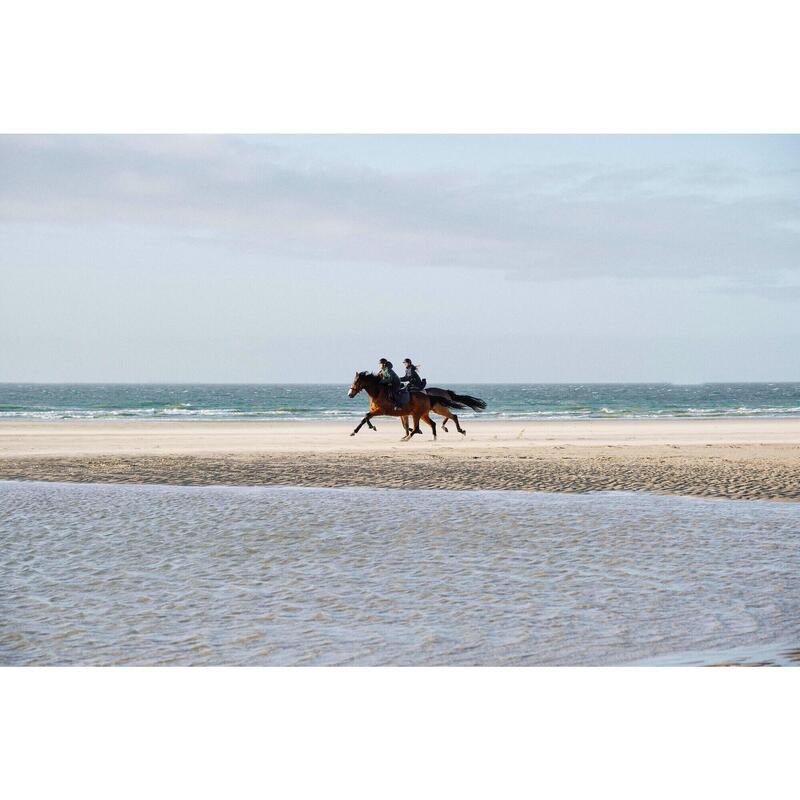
x,y
321,402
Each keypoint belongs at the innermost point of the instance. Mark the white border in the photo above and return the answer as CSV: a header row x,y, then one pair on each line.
x,y
398,733
572,66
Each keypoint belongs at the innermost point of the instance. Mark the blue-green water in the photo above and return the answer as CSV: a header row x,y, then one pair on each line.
x,y
330,401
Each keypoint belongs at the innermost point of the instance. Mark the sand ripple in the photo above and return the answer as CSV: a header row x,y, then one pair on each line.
x,y
179,575
725,472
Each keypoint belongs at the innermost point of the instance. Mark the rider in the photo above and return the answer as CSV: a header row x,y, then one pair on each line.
x,y
412,378
389,378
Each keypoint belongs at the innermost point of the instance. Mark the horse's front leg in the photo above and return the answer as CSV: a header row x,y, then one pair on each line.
x,y
366,419
404,421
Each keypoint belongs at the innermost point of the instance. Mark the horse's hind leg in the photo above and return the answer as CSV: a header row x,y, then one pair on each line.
x,y
442,412
416,426
404,421
426,417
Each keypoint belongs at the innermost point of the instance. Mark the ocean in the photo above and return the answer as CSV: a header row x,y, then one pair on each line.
x,y
330,401
105,574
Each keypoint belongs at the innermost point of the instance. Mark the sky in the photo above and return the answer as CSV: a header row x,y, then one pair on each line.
x,y
484,258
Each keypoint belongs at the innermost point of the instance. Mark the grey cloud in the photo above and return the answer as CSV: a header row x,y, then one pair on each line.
x,y
579,220
768,290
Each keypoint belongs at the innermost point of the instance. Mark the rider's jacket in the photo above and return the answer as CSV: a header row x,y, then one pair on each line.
x,y
413,379
389,377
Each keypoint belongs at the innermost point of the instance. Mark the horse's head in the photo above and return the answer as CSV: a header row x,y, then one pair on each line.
x,y
358,383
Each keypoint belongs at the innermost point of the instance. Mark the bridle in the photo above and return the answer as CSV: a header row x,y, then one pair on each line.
x,y
356,387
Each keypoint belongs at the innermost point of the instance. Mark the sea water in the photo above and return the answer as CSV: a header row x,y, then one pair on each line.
x,y
330,401
103,574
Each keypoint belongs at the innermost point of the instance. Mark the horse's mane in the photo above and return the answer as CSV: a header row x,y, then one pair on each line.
x,y
369,379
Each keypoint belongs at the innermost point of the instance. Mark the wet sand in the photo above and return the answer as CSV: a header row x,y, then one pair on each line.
x,y
730,458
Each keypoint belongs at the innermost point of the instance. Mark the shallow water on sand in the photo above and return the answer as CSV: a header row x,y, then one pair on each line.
x,y
104,574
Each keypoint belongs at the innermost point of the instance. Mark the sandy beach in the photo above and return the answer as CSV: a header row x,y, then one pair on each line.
x,y
731,458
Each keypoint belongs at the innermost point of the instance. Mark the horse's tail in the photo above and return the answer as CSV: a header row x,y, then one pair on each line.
x,y
475,403
447,402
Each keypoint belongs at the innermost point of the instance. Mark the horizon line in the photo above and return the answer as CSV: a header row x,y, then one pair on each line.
x,y
445,380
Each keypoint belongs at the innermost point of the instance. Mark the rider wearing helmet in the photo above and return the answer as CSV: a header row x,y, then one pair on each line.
x,y
390,379
412,378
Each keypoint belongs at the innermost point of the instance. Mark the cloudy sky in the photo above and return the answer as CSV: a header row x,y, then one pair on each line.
x,y
303,258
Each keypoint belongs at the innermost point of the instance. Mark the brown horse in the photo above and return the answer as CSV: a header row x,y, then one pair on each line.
x,y
437,407
418,406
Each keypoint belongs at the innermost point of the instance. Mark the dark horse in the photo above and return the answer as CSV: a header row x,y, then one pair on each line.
x,y
419,405
436,395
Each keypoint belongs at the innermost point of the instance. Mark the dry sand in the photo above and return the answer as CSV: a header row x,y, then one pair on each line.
x,y
735,458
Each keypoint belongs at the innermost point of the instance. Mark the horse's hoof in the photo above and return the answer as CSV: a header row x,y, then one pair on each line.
x,y
353,434
463,433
